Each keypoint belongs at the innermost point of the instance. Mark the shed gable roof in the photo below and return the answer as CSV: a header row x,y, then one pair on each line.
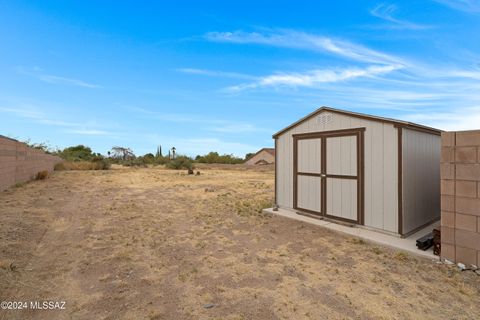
x,y
362,116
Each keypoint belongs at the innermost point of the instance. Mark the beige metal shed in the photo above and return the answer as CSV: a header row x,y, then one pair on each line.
x,y
371,171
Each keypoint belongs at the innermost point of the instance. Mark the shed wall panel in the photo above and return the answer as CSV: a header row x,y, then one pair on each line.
x,y
342,155
380,160
421,178
309,155
342,198
309,193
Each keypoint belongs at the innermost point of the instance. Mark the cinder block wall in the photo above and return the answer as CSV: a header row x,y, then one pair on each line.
x,y
19,163
460,188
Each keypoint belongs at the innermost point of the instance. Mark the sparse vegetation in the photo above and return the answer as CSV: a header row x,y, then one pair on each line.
x,y
214,157
83,165
81,157
78,153
158,242
180,162
401,256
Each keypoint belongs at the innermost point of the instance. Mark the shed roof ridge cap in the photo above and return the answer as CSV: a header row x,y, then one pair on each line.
x,y
355,114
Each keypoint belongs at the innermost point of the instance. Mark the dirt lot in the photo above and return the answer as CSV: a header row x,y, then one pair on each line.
x,y
158,244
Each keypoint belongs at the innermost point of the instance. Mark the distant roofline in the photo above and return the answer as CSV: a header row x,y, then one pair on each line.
x,y
263,149
363,116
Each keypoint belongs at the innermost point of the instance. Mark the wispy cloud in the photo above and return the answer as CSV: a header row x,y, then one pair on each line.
x,y
214,73
466,118
305,41
386,12
203,123
34,114
469,6
314,77
42,76
90,132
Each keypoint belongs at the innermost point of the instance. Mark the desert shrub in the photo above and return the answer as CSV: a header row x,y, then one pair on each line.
x,y
149,158
83,165
59,166
180,162
214,157
77,153
161,160
100,163
42,175
136,162
81,158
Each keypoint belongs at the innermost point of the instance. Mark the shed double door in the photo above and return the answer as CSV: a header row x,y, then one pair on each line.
x,y
328,174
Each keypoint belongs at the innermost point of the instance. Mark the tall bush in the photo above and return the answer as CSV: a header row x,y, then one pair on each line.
x,y
180,162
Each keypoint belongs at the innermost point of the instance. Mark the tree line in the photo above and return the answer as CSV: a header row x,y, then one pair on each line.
x,y
126,156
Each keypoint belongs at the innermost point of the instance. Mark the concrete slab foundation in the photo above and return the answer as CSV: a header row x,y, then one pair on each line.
x,y
407,244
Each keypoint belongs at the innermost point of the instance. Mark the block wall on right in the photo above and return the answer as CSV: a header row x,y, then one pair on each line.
x,y
460,197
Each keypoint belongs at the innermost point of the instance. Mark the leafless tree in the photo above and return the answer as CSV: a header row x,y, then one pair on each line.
x,y
122,153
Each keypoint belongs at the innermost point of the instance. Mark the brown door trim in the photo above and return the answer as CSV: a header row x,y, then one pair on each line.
x,y
361,173
340,176
359,134
332,133
309,174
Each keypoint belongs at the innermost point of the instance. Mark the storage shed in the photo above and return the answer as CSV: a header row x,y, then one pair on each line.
x,y
370,171
263,156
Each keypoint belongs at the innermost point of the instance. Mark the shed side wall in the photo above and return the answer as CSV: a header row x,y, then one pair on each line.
x,y
381,165
421,178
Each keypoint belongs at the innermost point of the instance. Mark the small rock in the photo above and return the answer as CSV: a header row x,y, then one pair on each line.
x,y
190,171
198,173
461,266
13,267
208,305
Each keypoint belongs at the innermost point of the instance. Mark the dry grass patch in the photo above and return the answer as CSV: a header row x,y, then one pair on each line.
x,y
153,243
81,165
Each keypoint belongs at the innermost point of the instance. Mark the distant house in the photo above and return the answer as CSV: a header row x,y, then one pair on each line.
x,y
264,156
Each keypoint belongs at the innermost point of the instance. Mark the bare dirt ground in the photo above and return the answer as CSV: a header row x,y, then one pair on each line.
x,y
158,244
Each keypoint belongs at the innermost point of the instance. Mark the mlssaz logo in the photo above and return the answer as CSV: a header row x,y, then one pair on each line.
x,y
47,305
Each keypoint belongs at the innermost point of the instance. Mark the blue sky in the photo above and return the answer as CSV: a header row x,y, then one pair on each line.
x,y
224,76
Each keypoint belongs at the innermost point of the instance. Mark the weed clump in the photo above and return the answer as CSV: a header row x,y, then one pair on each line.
x,y
401,256
42,175
252,208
